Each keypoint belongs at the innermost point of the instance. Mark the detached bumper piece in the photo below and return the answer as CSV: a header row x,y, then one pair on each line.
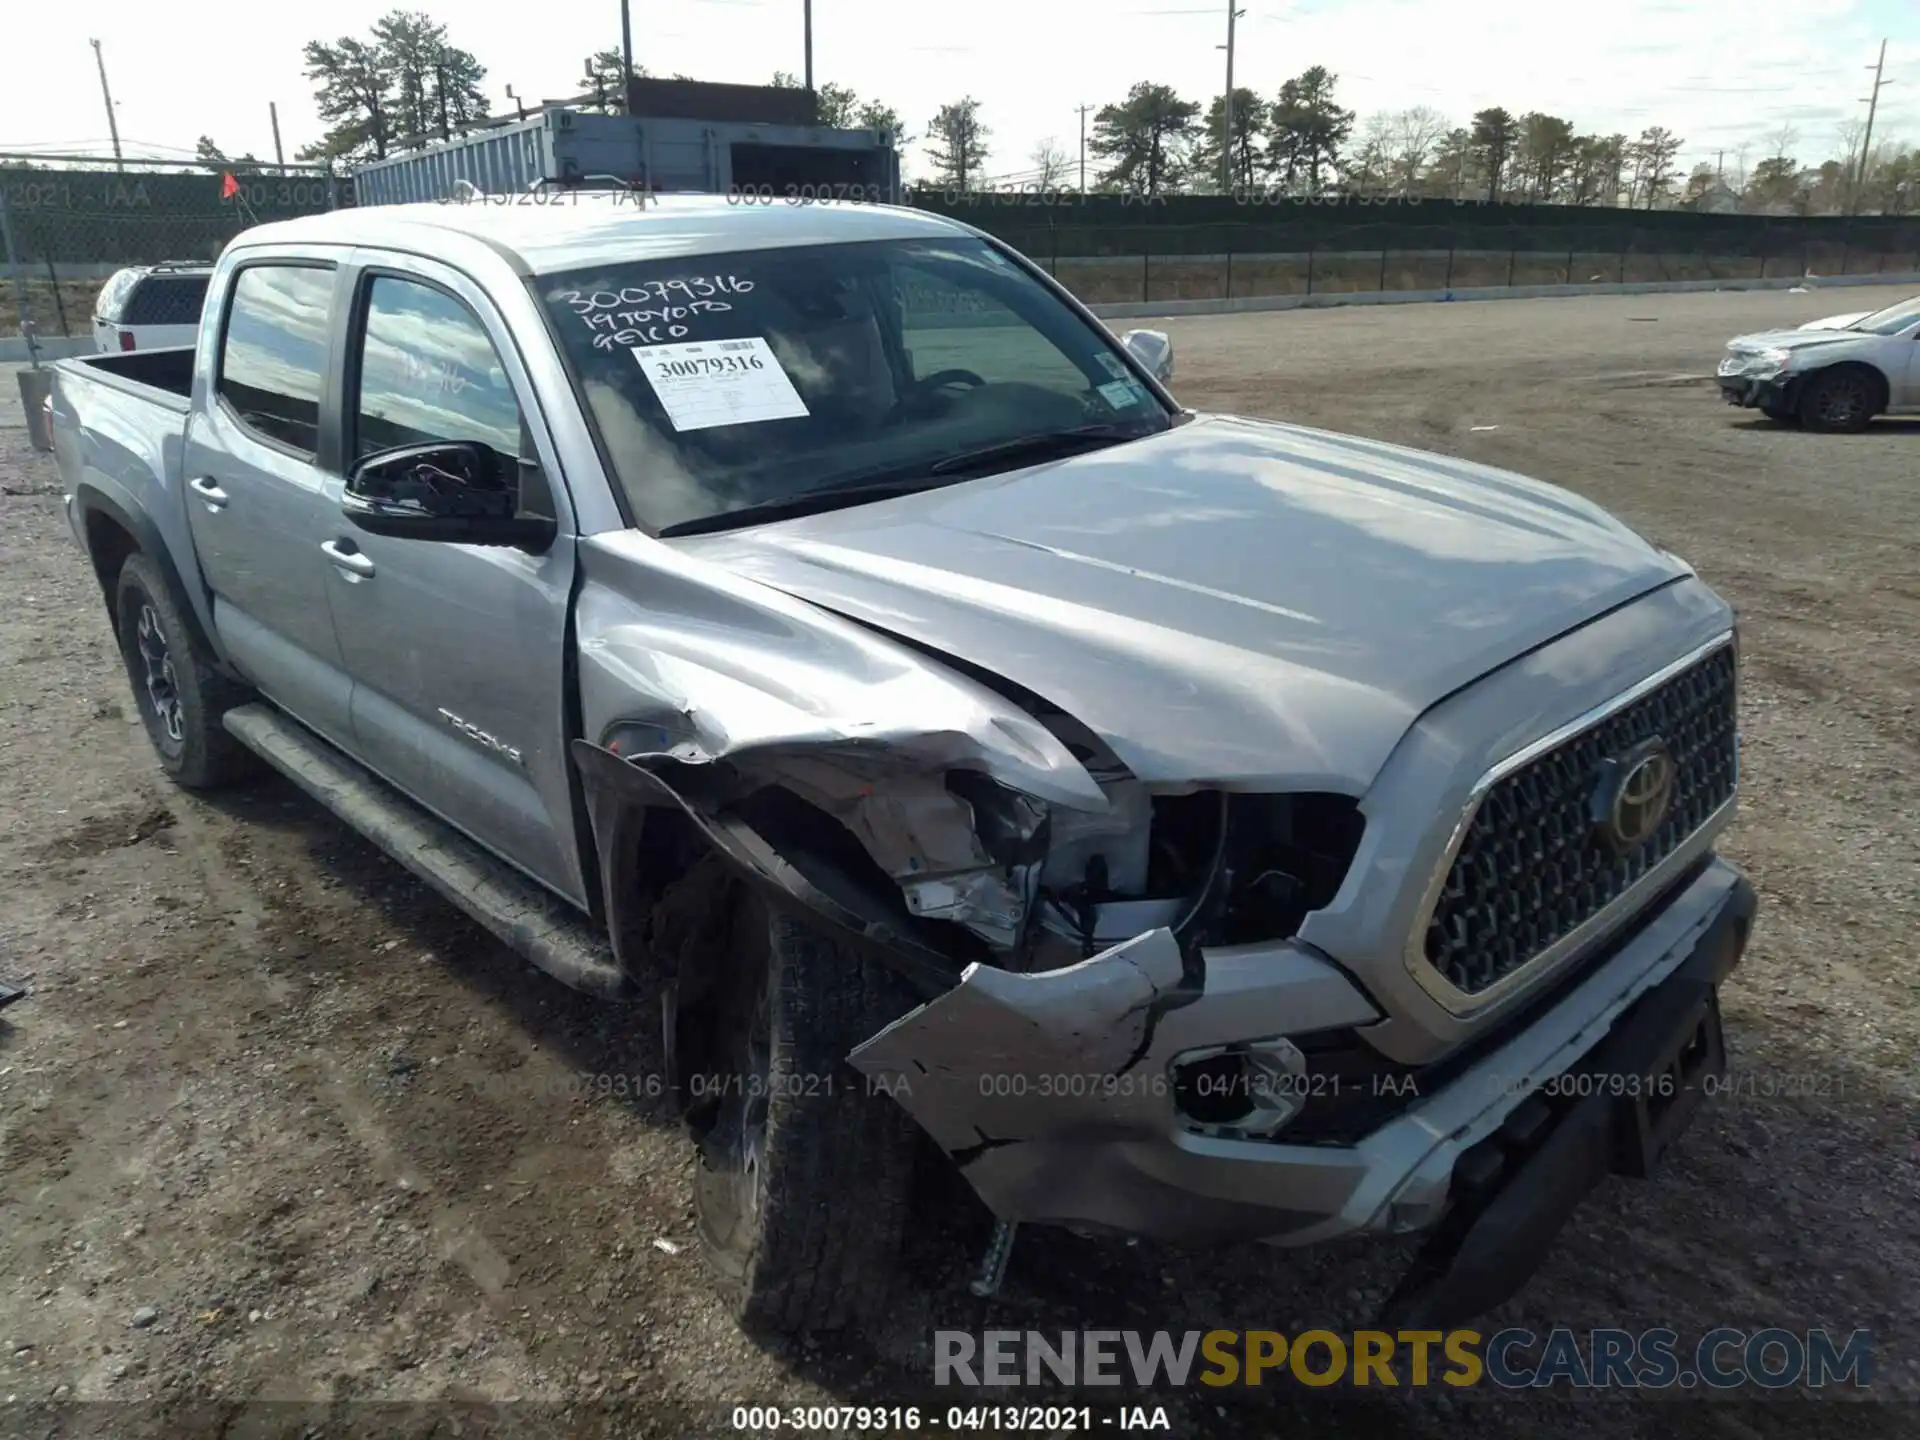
x,y
1615,1113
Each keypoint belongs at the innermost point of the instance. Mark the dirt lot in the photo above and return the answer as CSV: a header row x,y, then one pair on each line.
x,y
276,1126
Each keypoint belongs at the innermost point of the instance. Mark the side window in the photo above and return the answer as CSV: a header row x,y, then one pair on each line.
x,y
167,300
946,326
113,295
428,372
273,357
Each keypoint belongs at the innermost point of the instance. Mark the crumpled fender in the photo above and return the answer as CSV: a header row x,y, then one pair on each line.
x,y
712,666
710,797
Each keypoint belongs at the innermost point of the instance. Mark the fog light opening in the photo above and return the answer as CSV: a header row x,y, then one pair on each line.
x,y
1245,1091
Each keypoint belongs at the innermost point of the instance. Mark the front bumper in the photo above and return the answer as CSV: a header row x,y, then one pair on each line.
x,y
1776,392
1050,1090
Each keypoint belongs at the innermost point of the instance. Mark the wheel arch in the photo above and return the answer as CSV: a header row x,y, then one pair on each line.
x,y
113,532
1882,386
671,839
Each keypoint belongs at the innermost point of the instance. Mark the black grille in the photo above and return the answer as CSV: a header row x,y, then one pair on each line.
x,y
1531,870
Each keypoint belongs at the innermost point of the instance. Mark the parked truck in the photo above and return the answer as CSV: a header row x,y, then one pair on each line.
x,y
810,625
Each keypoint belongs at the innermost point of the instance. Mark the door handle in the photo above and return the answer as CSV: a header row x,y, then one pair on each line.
x,y
356,565
203,486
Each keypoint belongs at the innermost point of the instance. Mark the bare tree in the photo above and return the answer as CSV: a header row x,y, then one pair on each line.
x,y
1415,134
1740,153
1850,133
1049,165
1780,142
1367,168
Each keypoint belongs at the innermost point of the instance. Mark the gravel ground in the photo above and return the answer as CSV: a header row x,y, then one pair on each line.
x,y
282,1136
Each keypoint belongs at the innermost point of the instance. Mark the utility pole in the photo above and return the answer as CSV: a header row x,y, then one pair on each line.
x,y
1083,147
1866,140
626,58
113,125
279,156
806,20
1226,133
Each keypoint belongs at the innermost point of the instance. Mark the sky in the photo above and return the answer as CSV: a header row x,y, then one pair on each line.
x,y
1719,77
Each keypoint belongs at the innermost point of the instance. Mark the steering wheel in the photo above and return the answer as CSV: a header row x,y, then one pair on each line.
x,y
942,378
923,388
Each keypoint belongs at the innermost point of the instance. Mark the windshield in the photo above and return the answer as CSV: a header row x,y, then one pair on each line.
x,y
1892,320
725,381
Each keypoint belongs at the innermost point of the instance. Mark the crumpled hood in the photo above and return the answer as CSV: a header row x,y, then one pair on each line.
x,y
1231,602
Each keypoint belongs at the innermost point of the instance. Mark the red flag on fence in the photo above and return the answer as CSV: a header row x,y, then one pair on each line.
x,y
229,187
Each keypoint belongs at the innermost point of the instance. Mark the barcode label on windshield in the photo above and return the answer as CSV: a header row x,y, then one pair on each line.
x,y
703,384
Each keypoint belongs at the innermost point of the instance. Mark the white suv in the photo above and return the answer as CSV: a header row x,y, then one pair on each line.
x,y
151,307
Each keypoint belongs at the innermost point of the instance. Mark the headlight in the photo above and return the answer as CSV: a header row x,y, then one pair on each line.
x,y
1755,363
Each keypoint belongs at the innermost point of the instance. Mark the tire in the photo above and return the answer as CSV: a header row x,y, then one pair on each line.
x,y
803,1178
1841,400
180,695
1781,414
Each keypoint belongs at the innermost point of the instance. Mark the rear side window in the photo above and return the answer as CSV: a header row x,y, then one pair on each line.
x,y
273,356
113,295
166,300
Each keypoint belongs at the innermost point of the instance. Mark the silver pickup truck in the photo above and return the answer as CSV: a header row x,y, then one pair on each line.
x,y
811,625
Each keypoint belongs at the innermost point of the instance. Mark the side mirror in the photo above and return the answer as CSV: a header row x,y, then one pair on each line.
x,y
1153,349
460,493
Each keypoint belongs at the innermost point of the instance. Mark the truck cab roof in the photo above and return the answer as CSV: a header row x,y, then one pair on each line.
x,y
543,232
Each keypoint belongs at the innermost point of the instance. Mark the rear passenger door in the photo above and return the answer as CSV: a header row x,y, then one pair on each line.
x,y
252,467
458,653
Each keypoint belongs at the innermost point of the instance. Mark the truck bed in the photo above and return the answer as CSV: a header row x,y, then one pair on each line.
x,y
162,375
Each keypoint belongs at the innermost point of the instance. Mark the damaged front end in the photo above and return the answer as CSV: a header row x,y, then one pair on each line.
x,y
1100,960
1089,975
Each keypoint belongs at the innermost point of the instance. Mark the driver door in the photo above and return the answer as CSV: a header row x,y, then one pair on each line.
x,y
457,652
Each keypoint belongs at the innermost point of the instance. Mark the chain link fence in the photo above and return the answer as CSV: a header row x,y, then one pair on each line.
x,y
1160,263
68,230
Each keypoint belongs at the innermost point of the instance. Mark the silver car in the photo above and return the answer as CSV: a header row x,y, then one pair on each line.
x,y
1831,374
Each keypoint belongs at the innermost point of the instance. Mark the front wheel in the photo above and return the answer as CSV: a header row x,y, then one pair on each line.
x,y
1780,414
1842,399
803,1177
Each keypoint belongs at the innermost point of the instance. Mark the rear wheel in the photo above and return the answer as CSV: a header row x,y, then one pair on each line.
x,y
180,695
803,1177
1843,398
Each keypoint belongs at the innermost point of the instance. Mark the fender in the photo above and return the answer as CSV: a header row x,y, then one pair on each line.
x,y
89,499
618,793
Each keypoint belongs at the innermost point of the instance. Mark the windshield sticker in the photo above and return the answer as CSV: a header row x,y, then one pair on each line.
x,y
1115,366
705,384
1120,394
652,313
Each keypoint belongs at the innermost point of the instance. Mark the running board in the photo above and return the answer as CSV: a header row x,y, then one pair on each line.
x,y
529,919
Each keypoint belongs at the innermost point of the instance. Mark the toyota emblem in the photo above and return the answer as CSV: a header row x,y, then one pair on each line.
x,y
1633,796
